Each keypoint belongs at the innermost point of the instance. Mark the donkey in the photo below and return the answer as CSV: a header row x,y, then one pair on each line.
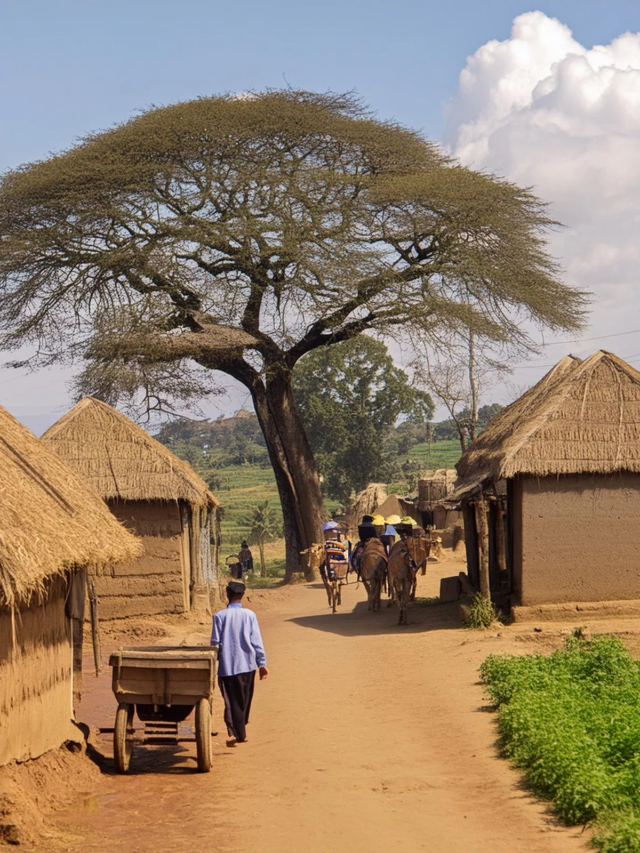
x,y
401,578
373,566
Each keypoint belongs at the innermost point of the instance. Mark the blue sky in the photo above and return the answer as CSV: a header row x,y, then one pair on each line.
x,y
72,66
69,67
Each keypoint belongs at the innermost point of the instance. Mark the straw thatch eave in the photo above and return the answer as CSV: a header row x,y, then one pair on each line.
x,y
50,520
121,460
364,503
583,417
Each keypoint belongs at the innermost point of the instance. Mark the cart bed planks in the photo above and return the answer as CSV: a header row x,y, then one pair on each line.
x,y
164,684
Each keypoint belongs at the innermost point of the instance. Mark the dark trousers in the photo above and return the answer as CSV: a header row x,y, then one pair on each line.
x,y
237,692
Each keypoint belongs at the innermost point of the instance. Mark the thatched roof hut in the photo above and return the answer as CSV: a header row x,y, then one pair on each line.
x,y
364,503
582,417
121,460
563,462
156,495
50,521
53,527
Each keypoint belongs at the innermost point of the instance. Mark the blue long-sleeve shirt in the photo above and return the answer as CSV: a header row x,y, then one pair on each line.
x,y
237,634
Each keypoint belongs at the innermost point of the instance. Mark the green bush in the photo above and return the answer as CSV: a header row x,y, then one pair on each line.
x,y
571,721
482,612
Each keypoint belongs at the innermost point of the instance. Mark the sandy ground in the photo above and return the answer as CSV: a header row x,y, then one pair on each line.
x,y
366,738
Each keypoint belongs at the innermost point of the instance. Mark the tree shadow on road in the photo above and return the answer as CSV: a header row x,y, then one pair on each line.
x,y
361,621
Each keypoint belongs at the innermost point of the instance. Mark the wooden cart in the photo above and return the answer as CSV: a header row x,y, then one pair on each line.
x,y
162,684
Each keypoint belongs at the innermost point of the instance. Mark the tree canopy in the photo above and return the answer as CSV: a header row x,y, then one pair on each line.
x,y
239,234
350,396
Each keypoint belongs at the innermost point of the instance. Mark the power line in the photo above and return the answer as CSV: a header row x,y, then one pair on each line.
x,y
586,340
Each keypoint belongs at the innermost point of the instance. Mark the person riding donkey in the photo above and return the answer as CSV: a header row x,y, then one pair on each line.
x,y
366,531
336,549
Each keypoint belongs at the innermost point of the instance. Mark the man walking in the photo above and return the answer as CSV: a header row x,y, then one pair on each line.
x,y
241,652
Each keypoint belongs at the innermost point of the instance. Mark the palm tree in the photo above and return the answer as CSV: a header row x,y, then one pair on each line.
x,y
266,525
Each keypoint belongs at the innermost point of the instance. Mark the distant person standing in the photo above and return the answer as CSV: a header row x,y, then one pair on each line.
x,y
236,633
245,557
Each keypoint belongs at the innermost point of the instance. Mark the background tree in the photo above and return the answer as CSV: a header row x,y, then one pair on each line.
x,y
458,371
238,235
349,397
265,527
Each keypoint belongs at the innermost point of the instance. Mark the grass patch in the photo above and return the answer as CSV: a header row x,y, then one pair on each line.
x,y
438,454
482,612
571,721
421,601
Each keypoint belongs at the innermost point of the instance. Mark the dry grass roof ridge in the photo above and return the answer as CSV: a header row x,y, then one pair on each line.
x,y
120,459
582,417
50,519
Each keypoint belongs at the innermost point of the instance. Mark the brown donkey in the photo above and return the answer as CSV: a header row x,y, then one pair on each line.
x,y
401,578
373,566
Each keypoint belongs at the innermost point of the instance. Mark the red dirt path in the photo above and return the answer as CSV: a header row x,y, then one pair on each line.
x,y
366,738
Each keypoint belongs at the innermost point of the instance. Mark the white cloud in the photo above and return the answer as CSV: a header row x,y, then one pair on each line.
x,y
543,110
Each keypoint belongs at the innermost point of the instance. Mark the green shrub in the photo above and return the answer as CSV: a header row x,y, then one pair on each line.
x,y
482,612
571,721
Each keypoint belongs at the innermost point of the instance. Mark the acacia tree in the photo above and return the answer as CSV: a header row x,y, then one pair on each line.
x,y
238,234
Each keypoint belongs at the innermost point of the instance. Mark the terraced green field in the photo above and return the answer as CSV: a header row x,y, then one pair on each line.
x,y
440,454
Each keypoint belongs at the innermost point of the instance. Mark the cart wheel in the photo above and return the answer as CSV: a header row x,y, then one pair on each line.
x,y
203,735
122,740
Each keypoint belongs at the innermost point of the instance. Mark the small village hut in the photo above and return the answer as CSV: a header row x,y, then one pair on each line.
x,y
434,486
551,489
364,503
396,505
53,529
158,497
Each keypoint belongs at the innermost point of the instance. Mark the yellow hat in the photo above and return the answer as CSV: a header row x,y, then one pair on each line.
x,y
378,521
394,519
406,519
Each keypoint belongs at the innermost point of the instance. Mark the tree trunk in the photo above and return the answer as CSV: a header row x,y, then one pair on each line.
x,y
483,547
294,467
263,565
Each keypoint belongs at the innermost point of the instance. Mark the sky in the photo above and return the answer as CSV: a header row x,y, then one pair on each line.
x,y
547,94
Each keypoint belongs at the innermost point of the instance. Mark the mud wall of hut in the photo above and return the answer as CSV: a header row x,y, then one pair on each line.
x,y
580,539
158,581
36,678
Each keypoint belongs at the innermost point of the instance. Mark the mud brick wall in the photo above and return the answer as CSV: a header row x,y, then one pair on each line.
x,y
36,678
580,538
153,583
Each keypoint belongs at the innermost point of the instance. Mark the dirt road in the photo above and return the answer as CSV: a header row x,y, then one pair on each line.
x,y
366,738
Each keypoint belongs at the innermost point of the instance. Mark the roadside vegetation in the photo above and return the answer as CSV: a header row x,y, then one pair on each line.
x,y
571,721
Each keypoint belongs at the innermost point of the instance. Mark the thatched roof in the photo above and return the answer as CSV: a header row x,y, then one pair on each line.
x,y
120,459
395,505
364,503
582,417
50,520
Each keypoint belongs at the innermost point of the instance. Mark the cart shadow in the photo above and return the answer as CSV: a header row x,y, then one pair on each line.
x,y
157,760
361,621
